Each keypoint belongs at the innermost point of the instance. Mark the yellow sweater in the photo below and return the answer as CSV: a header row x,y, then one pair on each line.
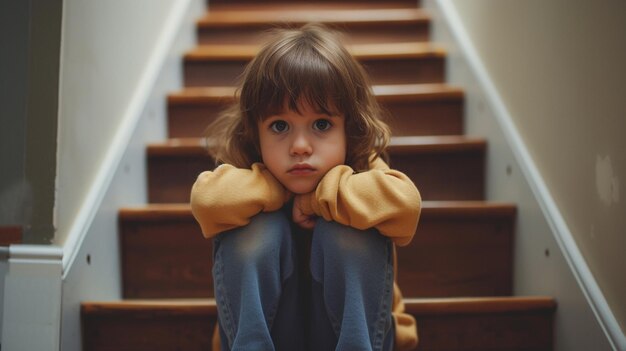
x,y
386,199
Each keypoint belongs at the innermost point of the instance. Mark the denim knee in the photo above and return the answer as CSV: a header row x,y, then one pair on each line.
x,y
353,272
251,264
346,247
264,238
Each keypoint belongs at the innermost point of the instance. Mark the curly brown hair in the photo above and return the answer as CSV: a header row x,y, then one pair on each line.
x,y
307,63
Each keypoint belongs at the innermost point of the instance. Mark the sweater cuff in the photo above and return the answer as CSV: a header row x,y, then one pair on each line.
x,y
277,195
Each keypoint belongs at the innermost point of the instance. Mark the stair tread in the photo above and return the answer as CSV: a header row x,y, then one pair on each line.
x,y
441,306
398,144
273,13
246,52
442,143
449,208
313,5
384,93
479,304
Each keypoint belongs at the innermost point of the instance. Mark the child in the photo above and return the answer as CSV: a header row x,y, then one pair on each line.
x,y
304,144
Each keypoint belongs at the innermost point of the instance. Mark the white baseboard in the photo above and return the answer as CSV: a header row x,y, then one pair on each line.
x,y
32,299
563,274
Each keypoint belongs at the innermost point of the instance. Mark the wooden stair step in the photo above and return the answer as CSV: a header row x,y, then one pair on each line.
x,y
166,265
148,325
389,63
459,249
10,235
455,166
305,5
272,13
247,26
500,323
414,109
460,324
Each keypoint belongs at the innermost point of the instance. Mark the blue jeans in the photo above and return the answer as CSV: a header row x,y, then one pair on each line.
x,y
268,299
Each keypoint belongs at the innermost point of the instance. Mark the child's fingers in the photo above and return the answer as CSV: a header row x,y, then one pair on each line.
x,y
304,221
308,223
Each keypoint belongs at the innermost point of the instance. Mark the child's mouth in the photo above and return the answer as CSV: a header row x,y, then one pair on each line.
x,y
301,169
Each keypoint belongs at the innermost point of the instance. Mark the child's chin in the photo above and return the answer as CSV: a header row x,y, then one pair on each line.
x,y
299,190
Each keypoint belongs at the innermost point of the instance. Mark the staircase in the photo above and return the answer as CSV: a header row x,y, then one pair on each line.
x,y
457,273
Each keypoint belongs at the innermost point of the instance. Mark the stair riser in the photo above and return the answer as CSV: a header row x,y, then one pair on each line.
x,y
445,175
356,34
419,117
441,117
513,331
381,71
438,175
449,256
523,331
165,259
148,332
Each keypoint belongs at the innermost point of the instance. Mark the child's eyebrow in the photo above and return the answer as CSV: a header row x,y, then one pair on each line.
x,y
331,113
335,115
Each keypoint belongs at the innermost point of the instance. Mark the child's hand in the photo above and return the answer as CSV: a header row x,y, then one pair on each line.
x,y
301,218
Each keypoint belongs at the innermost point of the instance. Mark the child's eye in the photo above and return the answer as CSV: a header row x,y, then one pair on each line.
x,y
322,124
279,126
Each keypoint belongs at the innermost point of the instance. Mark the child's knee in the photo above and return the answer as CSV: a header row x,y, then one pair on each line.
x,y
346,242
257,240
340,254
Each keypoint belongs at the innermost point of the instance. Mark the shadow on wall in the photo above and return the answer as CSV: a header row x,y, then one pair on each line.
x,y
16,203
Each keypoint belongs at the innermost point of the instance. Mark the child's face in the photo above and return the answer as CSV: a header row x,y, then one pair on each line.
x,y
298,149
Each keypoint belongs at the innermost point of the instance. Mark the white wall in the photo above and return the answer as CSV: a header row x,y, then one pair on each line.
x,y
91,250
105,47
559,67
521,64
3,272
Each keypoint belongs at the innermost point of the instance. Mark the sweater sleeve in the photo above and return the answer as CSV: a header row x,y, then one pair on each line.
x,y
382,198
228,197
406,337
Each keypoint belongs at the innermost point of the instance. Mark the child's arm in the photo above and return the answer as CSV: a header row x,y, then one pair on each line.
x,y
382,198
228,197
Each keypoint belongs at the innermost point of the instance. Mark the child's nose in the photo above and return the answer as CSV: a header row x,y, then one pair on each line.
x,y
300,145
